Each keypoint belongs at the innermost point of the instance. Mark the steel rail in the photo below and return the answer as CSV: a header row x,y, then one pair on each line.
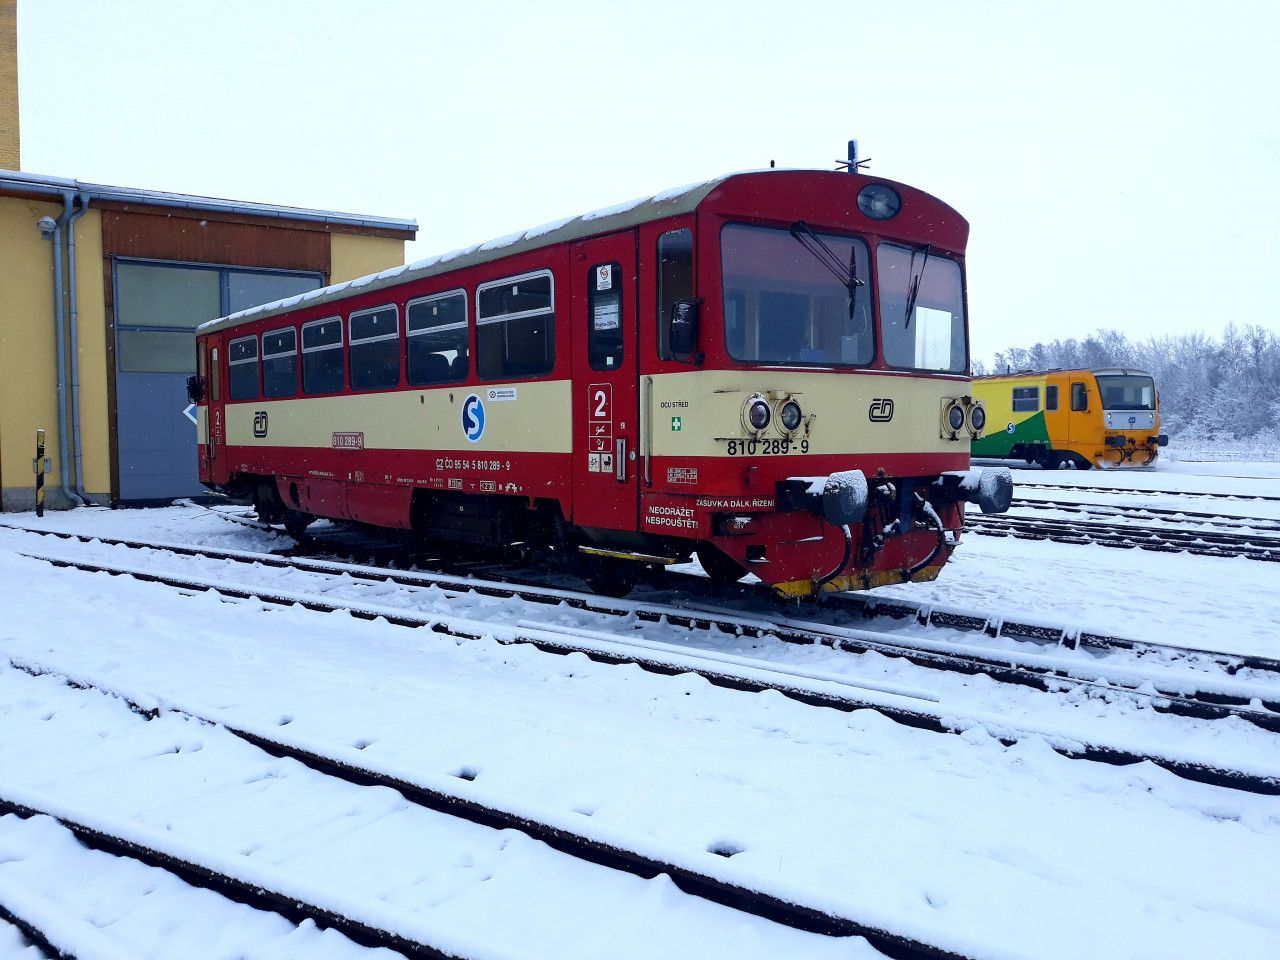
x,y
1138,490
897,707
1162,540
1172,514
253,894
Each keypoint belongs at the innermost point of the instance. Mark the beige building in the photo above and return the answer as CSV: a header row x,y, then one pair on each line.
x,y
101,288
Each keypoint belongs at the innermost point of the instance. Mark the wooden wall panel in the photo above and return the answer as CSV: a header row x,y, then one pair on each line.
x,y
175,235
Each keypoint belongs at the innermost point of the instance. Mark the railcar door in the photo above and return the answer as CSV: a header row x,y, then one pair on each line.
x,y
605,402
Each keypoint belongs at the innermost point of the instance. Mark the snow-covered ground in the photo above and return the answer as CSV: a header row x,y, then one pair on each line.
x,y
957,840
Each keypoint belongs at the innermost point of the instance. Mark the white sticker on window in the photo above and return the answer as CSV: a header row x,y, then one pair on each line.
x,y
606,315
604,276
933,338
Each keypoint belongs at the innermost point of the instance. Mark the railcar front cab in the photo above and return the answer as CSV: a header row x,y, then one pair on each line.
x,y
833,389
1129,417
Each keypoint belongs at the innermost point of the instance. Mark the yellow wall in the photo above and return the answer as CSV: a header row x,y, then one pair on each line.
x,y
28,352
28,367
353,257
9,140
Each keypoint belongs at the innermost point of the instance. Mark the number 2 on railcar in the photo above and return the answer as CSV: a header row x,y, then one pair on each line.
x,y
767,370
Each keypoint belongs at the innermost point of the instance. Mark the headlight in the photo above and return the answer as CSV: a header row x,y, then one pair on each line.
x,y
977,418
790,415
955,418
878,201
757,413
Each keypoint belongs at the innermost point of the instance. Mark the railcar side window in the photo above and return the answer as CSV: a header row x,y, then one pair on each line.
x,y
375,348
215,376
922,318
1079,397
1051,397
280,363
516,327
1026,399
605,346
436,331
242,358
675,281
322,356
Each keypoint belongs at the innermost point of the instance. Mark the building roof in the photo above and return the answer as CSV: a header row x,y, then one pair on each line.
x,y
622,216
14,182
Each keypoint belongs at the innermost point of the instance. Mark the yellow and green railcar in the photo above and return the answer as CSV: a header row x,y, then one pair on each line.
x,y
1085,418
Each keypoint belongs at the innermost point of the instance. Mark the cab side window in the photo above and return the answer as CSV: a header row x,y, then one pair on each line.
x,y
1051,397
675,281
1079,397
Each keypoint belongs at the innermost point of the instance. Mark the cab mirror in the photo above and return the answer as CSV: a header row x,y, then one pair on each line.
x,y
684,328
195,388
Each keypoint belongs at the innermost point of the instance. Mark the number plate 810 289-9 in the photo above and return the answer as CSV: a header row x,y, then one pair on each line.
x,y
765,448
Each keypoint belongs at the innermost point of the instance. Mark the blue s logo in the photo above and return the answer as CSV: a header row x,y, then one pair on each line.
x,y
473,418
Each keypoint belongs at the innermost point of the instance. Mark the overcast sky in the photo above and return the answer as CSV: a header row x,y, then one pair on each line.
x,y
1118,162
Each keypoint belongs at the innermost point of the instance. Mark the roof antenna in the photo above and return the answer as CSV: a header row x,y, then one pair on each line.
x,y
770,164
853,164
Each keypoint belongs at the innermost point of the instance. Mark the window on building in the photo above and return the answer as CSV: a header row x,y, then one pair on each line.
x,y
322,356
158,305
516,327
375,349
1051,397
1026,399
436,339
280,363
242,358
157,309
605,346
675,281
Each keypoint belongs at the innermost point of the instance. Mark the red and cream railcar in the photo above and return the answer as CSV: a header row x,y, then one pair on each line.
x,y
769,370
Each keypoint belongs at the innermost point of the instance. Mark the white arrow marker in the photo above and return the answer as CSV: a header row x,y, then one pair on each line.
x,y
189,411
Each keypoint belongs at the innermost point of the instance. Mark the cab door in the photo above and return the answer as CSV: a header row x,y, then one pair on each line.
x,y
605,400
1086,413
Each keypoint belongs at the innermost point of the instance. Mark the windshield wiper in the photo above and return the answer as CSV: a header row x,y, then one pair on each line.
x,y
818,249
915,285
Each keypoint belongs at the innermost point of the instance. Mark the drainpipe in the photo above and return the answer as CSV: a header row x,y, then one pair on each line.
x,y
83,197
52,230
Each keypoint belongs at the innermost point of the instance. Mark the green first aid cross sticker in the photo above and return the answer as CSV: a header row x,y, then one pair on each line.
x,y
675,424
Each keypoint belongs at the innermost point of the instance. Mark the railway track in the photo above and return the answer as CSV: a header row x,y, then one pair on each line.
x,y
756,597
1130,491
1207,699
640,857
1206,543
1166,514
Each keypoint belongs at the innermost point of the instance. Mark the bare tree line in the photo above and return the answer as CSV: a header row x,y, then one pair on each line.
x,y
1218,389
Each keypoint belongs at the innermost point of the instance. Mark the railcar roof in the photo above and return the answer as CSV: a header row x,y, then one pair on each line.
x,y
623,216
1096,371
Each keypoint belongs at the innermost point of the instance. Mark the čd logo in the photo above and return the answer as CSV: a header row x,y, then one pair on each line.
x,y
259,423
881,410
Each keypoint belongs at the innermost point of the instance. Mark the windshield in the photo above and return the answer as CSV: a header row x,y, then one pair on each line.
x,y
783,305
1127,393
931,335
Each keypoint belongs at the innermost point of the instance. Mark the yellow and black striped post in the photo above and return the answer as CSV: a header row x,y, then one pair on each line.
x,y
39,464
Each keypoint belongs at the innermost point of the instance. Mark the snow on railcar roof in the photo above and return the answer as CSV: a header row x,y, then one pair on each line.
x,y
619,216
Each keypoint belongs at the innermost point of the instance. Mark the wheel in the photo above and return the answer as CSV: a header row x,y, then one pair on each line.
x,y
612,578
1050,460
721,569
295,524
1081,463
